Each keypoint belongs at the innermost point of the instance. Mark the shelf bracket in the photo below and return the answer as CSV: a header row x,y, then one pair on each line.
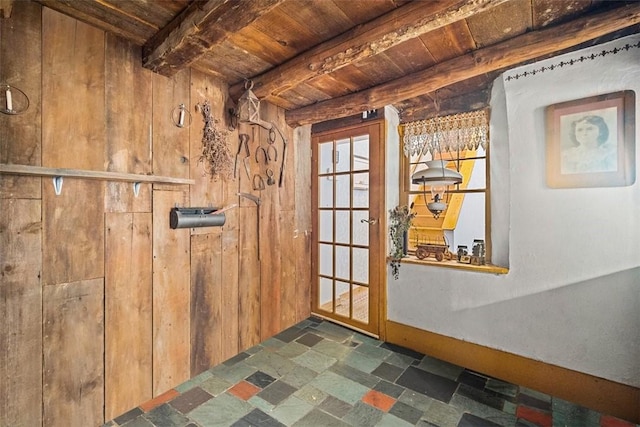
x,y
57,185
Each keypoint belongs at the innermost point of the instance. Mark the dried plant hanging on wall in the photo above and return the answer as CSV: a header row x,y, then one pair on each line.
x,y
216,156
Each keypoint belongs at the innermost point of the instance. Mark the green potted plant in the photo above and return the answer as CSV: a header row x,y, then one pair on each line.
x,y
400,219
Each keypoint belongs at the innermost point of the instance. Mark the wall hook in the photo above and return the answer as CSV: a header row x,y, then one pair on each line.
x,y
136,188
57,185
181,117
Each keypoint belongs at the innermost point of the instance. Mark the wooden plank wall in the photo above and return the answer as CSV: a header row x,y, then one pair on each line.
x,y
103,305
21,228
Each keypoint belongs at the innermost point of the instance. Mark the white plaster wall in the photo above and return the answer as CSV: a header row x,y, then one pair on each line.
x,y
572,294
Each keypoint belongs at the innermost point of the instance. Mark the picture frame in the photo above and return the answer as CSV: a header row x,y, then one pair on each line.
x,y
590,142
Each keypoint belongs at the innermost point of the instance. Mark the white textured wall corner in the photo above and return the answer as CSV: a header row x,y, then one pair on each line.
x,y
572,295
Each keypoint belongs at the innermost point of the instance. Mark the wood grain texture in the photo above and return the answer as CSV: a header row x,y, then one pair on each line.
x,y
171,295
270,264
206,302
249,308
128,137
197,28
159,305
120,17
288,283
21,135
229,280
207,191
171,159
128,311
21,313
73,354
364,41
301,145
73,93
529,46
73,238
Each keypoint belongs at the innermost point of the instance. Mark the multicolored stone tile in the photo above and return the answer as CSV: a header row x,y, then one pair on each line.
x,y
318,374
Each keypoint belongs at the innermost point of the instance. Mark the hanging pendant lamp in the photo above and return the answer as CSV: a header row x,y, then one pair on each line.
x,y
438,178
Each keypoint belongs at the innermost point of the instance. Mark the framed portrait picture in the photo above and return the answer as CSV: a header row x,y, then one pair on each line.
x,y
591,141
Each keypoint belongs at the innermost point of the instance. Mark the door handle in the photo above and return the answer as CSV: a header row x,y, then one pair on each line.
x,y
370,221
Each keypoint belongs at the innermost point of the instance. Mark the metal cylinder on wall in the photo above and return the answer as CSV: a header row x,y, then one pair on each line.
x,y
195,217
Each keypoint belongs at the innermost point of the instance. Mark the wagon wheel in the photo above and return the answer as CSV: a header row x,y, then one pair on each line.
x,y
422,253
439,256
448,255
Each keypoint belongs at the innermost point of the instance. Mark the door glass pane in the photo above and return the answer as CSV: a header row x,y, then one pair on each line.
x,y
360,229
326,260
326,294
361,265
343,190
361,190
326,226
361,303
342,226
361,153
343,298
343,156
326,191
343,262
325,164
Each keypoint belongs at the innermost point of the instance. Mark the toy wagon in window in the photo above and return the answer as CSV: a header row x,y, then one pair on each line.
x,y
439,250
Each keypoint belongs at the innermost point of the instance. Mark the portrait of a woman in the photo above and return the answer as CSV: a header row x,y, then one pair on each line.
x,y
591,151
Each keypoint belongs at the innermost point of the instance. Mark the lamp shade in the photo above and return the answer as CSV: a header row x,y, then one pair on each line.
x,y
435,174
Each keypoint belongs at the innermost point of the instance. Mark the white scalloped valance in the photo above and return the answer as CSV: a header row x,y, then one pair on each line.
x,y
463,131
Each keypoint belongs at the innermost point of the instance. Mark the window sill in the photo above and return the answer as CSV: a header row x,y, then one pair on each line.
x,y
487,268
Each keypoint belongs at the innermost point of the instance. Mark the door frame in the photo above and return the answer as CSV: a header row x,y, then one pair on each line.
x,y
377,234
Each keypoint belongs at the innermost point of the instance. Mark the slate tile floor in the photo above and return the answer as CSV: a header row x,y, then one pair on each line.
x,y
320,374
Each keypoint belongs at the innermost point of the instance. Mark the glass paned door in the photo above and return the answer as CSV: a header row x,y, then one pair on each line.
x,y
348,192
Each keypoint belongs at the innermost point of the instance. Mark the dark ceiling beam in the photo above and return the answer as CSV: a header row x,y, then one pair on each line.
x,y
416,110
197,29
501,56
364,41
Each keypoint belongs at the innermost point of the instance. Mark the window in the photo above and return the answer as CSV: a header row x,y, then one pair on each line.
x,y
458,234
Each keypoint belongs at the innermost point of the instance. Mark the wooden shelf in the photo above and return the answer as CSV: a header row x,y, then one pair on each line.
x,y
87,174
486,268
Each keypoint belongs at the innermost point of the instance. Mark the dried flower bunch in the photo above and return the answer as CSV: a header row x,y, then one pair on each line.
x,y
216,157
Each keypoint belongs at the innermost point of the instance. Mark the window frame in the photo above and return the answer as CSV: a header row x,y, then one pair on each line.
x,y
405,193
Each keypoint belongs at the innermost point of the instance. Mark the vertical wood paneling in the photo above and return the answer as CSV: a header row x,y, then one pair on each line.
x,y
249,278
270,264
128,119
73,128
206,192
171,295
73,239
21,313
229,280
73,354
73,87
206,302
286,193
288,269
128,310
129,307
20,59
20,225
170,143
302,167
